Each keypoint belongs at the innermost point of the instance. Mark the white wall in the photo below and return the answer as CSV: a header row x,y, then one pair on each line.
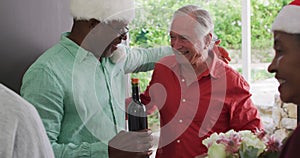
x,y
28,28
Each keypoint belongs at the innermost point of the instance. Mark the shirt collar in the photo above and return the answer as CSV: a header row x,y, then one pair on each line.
x,y
213,66
78,52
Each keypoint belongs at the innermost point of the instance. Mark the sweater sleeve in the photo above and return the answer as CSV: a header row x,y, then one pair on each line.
x,y
243,113
140,60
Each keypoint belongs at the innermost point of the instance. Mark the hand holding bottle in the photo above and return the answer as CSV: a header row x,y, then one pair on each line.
x,y
131,144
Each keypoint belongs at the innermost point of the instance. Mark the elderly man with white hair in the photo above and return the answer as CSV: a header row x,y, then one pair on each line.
x,y
196,93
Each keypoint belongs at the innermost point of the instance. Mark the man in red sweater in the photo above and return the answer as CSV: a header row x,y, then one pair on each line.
x,y
196,93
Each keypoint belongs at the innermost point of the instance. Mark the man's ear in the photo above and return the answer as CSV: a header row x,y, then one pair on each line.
x,y
93,23
207,40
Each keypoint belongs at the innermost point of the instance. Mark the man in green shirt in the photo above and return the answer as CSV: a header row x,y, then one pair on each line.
x,y
78,85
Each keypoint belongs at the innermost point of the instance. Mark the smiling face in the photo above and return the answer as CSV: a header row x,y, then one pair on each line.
x,y
103,38
286,66
186,41
119,30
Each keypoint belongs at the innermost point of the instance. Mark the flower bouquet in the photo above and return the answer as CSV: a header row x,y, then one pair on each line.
x,y
242,144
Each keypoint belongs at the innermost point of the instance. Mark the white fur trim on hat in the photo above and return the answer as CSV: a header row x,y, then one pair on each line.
x,y
119,54
288,20
103,10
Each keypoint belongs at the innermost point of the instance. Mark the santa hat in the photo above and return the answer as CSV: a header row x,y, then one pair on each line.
x,y
288,19
103,10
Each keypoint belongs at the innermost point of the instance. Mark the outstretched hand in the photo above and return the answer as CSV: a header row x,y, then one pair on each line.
x,y
221,52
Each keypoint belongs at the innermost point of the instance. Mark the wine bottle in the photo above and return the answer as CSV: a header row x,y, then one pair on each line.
x,y
137,116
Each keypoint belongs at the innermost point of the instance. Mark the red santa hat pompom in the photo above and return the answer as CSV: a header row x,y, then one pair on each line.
x,y
103,10
288,19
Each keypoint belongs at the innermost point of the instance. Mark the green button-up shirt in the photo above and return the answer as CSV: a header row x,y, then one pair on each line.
x,y
82,101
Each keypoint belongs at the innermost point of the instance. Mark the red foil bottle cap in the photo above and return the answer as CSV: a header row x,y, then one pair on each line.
x,y
135,80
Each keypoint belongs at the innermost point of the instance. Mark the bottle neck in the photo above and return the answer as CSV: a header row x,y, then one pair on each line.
x,y
135,92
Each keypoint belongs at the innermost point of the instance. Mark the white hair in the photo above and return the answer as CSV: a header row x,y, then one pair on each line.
x,y
205,24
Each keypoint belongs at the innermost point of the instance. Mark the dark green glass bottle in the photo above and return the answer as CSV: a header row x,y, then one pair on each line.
x,y
137,116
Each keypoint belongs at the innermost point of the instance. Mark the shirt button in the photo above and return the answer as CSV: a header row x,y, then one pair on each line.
x,y
183,100
182,80
180,121
178,141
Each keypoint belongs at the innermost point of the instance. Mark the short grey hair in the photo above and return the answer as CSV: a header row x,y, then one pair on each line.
x,y
202,16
